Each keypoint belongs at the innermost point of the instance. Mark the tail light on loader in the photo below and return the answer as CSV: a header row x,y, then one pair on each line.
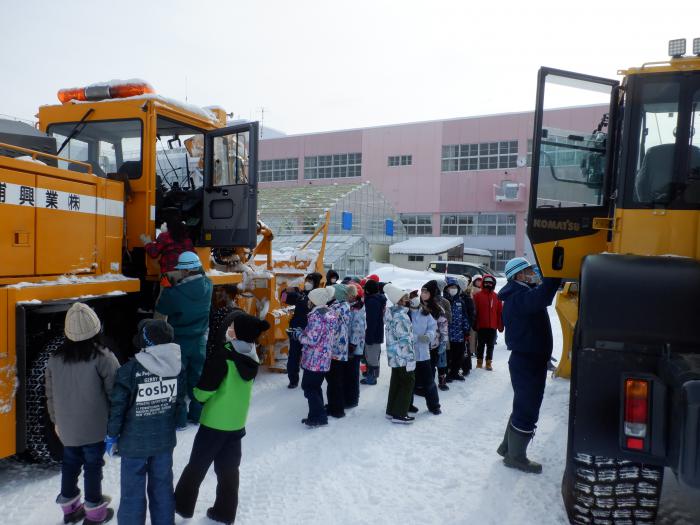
x,y
636,422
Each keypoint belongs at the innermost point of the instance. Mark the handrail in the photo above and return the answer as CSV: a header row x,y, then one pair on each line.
x,y
35,153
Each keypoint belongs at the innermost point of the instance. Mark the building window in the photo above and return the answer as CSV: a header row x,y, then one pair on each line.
x,y
278,170
478,224
484,156
400,160
558,156
339,165
417,224
500,258
416,258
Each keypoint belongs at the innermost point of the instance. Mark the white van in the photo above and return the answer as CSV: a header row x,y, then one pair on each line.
x,y
455,268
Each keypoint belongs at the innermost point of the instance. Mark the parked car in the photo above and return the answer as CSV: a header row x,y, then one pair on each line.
x,y
455,268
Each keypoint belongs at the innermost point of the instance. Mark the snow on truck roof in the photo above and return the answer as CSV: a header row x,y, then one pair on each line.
x,y
425,245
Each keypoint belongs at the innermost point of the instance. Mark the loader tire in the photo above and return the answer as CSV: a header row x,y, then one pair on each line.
x,y
43,445
601,491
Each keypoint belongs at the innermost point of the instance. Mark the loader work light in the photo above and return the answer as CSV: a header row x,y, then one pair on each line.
x,y
101,91
676,48
696,46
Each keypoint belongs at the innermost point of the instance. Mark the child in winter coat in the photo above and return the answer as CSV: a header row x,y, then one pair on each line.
x,y
225,388
375,305
440,345
424,332
400,351
79,379
335,389
488,319
300,300
358,326
318,341
146,397
462,315
171,242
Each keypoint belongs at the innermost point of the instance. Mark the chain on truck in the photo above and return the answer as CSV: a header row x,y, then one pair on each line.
x,y
615,209
103,169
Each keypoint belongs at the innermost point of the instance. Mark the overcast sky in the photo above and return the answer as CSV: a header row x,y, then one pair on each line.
x,y
325,65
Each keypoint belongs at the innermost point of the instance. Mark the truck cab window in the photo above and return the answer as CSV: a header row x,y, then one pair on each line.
x,y
109,147
231,159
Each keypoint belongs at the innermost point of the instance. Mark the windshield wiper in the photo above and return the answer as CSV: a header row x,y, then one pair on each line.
x,y
77,130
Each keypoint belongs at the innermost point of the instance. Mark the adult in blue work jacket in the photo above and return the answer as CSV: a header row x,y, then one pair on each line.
x,y
529,338
186,305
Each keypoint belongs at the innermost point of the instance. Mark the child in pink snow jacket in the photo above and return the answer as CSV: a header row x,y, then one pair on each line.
x,y
318,340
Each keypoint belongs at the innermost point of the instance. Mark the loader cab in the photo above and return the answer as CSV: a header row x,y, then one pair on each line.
x,y
603,151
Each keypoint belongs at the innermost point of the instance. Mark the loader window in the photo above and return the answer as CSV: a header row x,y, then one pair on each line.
x,y
573,143
664,160
179,155
106,145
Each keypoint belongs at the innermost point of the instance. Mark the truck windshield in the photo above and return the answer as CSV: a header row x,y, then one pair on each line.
x,y
665,154
109,146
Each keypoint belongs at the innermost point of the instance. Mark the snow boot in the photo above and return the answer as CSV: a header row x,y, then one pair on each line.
x,y
516,456
73,510
98,514
502,449
479,363
211,514
372,373
488,365
413,409
442,383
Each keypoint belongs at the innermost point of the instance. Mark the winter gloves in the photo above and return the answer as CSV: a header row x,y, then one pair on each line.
x,y
110,442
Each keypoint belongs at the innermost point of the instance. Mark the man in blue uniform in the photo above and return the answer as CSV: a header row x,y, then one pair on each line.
x,y
529,338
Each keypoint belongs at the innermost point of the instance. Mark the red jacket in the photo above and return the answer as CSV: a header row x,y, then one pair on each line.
x,y
489,310
168,250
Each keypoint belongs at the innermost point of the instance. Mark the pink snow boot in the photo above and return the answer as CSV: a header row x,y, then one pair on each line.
x,y
72,508
98,514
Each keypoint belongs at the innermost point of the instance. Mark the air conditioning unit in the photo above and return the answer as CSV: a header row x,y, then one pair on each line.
x,y
508,191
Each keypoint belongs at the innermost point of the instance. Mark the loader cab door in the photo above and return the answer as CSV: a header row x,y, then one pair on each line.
x,y
572,164
229,212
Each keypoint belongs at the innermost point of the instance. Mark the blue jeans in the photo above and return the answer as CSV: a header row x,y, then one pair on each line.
x,y
158,470
89,458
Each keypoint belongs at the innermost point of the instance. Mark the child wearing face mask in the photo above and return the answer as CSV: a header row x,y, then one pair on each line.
x,y
462,312
424,332
356,348
331,277
400,350
299,299
488,319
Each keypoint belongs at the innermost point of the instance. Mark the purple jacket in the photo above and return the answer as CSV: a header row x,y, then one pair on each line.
x,y
318,339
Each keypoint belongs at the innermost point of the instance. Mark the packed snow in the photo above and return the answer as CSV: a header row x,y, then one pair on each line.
x,y
363,469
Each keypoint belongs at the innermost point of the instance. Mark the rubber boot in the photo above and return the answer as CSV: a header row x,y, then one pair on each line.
x,y
488,365
516,456
100,513
442,382
502,449
479,363
73,510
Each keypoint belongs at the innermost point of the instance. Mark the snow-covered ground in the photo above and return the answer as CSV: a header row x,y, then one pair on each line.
x,y
363,469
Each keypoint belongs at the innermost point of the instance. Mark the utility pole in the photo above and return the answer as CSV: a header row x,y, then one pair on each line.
x,y
262,120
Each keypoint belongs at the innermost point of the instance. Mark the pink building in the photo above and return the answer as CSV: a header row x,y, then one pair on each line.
x,y
466,177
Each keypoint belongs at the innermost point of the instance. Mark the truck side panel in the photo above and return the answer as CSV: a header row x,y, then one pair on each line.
x,y
8,383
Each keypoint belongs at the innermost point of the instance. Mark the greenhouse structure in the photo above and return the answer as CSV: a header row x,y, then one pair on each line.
x,y
360,219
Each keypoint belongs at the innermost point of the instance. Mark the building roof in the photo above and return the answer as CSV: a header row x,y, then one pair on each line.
x,y
426,245
477,251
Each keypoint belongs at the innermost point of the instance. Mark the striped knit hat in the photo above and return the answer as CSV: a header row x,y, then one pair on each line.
x,y
516,265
